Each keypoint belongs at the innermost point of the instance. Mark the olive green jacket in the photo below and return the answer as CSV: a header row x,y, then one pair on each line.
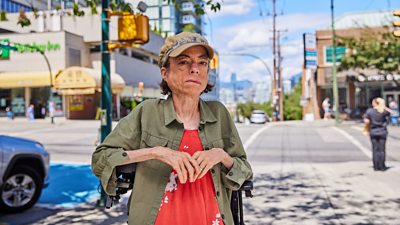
x,y
154,123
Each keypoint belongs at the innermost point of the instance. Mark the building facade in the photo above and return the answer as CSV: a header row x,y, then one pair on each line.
x,y
73,43
355,89
171,20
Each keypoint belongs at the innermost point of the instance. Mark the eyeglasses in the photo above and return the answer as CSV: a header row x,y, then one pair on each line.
x,y
186,64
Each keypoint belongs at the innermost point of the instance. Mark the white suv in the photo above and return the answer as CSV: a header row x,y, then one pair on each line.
x,y
24,167
258,116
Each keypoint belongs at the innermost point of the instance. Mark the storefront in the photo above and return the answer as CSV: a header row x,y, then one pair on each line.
x,y
80,89
19,90
25,76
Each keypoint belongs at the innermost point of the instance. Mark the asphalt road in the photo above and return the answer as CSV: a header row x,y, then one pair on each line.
x,y
305,173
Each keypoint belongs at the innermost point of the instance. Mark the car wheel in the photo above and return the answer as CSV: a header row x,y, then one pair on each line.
x,y
20,190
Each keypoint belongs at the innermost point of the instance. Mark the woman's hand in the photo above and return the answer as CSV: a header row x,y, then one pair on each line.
x,y
184,165
207,159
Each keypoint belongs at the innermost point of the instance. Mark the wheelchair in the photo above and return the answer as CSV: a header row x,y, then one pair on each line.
x,y
126,177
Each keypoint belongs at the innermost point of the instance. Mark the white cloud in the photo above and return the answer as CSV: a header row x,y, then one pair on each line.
x,y
258,32
254,37
245,68
232,7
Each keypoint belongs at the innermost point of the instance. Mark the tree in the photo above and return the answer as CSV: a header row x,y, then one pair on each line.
x,y
115,5
292,109
378,51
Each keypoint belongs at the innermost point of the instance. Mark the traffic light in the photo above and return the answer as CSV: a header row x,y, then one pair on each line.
x,y
214,63
133,28
396,23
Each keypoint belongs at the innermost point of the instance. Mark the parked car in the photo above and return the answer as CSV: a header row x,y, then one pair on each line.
x,y
24,168
258,116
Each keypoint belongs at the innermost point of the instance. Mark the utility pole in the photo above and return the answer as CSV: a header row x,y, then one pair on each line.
x,y
280,87
335,85
274,56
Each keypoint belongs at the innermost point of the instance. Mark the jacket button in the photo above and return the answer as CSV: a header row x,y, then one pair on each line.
x,y
230,173
212,171
124,154
217,193
200,128
223,216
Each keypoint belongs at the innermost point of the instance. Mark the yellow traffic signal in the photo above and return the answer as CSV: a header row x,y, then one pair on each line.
x,y
133,28
396,23
214,61
126,28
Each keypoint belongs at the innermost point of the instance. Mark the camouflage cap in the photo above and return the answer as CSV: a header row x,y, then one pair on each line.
x,y
175,45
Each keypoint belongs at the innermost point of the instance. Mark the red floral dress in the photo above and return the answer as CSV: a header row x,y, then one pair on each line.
x,y
189,203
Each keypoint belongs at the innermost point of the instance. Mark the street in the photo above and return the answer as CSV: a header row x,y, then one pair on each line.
x,y
304,173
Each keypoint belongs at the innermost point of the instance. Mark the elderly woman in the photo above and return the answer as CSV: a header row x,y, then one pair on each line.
x,y
188,152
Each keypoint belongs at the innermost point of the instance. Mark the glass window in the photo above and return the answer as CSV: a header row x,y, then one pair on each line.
x,y
166,25
152,12
152,2
166,11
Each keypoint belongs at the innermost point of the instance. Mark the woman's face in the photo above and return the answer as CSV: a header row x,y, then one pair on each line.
x,y
187,73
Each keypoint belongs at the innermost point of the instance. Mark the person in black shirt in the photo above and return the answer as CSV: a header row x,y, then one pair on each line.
x,y
377,118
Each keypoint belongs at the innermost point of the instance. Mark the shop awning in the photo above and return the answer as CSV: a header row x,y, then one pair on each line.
x,y
25,79
81,80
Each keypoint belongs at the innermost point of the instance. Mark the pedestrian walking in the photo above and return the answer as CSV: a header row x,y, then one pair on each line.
x,y
30,112
394,115
9,113
188,153
377,119
326,106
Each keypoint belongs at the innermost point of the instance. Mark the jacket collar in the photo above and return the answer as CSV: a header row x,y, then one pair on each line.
x,y
206,115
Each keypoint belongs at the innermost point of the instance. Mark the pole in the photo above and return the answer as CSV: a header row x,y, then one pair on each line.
x,y
280,87
274,55
51,106
335,85
105,83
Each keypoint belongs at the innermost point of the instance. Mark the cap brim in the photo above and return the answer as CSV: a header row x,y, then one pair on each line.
x,y
176,52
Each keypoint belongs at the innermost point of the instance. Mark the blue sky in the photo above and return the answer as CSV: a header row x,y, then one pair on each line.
x,y
244,26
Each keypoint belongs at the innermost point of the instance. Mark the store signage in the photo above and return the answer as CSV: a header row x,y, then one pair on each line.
x,y
4,50
34,47
328,52
310,51
379,77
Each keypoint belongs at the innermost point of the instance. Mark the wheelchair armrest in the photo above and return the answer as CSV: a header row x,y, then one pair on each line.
x,y
125,179
247,187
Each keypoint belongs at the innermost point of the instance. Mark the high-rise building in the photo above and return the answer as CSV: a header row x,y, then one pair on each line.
x,y
13,6
170,19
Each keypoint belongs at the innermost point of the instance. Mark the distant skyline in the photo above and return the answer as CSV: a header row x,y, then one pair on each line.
x,y
245,26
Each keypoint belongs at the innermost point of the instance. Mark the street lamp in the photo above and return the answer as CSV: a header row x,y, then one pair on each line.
x,y
255,57
252,56
51,103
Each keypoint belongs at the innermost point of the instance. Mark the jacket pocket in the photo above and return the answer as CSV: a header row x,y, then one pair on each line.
x,y
151,141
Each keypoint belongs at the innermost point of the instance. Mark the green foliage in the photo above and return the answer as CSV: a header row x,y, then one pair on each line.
x,y
292,109
245,109
372,51
189,28
3,15
120,5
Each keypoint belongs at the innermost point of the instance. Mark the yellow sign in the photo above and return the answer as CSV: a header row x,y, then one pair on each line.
x,y
76,103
